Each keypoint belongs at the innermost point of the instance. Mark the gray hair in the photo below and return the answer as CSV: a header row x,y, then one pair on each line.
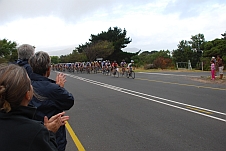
x,y
40,62
25,51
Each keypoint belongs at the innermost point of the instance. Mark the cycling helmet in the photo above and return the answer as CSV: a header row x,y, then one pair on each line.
x,y
132,61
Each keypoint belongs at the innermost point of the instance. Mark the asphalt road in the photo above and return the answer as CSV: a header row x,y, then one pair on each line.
x,y
153,112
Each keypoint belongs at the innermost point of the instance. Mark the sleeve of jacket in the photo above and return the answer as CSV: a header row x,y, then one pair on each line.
x,y
62,98
44,140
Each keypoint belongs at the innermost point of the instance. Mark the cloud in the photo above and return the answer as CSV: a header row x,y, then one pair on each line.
x,y
191,8
68,10
152,24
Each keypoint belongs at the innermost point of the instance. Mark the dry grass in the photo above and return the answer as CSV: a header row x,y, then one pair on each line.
x,y
204,79
163,70
208,80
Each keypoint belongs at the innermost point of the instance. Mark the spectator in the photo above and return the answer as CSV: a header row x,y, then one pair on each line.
x,y
54,97
18,131
214,61
25,51
220,66
212,66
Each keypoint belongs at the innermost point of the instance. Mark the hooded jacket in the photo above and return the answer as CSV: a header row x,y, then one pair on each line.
x,y
52,100
21,133
24,63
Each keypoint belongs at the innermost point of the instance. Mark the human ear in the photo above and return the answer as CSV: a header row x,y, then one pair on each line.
x,y
26,99
28,95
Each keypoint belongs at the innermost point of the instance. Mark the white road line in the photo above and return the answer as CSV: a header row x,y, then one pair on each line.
x,y
167,74
145,96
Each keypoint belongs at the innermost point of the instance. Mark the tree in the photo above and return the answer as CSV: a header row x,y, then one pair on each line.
x,y
55,59
99,49
215,47
197,41
163,63
115,35
190,50
224,35
147,58
118,37
183,53
82,47
197,46
78,57
8,51
75,56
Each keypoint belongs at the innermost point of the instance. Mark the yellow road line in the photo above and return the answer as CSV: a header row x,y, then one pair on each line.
x,y
74,137
190,85
196,109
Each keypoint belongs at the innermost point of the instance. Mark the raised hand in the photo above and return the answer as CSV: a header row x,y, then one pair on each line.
x,y
60,79
54,123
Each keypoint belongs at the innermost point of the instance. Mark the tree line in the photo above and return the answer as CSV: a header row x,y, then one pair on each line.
x,y
109,44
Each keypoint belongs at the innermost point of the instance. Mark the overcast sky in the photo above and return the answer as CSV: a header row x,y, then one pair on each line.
x,y
151,24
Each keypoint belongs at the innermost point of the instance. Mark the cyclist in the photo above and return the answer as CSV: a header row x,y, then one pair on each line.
x,y
123,65
96,66
88,67
81,66
108,66
129,67
114,67
69,67
91,66
77,66
103,66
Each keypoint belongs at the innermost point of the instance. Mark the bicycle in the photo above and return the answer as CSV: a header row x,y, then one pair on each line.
x,y
108,71
95,69
115,72
88,69
130,73
123,71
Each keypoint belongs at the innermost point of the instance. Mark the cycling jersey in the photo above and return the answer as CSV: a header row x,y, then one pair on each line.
x,y
123,64
130,65
114,64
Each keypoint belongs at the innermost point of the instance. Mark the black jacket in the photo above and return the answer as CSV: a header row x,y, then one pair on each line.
x,y
20,133
54,99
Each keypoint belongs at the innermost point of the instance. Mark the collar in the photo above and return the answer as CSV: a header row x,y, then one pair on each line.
x,y
37,77
21,62
25,111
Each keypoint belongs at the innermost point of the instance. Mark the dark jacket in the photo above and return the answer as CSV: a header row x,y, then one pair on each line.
x,y
25,64
53,100
19,132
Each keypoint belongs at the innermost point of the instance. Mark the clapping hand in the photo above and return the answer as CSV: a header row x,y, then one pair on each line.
x,y
60,79
54,123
